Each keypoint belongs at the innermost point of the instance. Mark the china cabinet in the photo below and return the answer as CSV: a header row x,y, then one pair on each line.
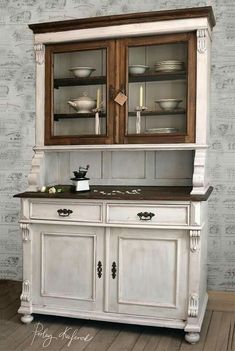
x,y
128,95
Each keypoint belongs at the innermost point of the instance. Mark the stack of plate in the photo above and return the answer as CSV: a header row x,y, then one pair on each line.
x,y
169,65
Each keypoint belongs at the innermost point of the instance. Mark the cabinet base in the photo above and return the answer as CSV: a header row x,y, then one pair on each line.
x,y
27,318
192,338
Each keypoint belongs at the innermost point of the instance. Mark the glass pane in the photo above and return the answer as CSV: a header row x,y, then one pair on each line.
x,y
80,92
157,89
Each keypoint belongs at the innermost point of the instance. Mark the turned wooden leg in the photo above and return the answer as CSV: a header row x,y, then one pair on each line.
x,y
26,318
192,338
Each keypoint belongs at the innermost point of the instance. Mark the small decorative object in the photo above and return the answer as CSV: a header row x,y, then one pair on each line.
x,y
80,181
138,69
83,104
168,104
52,190
43,189
82,72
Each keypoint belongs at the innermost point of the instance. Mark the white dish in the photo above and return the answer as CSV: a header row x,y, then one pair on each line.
x,y
168,104
82,72
138,69
83,104
161,130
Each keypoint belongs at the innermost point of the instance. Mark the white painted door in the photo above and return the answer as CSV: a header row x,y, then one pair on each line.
x,y
151,272
65,262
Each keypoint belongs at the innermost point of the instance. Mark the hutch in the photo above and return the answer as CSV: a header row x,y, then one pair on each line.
x,y
128,95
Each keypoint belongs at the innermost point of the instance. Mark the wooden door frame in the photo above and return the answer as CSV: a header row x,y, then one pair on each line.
x,y
189,136
50,50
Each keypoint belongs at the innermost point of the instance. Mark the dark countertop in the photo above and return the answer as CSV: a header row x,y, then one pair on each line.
x,y
170,193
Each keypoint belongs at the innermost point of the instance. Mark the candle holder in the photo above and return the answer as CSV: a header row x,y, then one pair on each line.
x,y
139,109
97,119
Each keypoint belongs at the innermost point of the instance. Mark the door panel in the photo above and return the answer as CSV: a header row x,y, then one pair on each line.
x,y
152,272
67,273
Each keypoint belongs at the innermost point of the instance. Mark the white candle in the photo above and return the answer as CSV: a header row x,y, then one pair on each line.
x,y
98,98
141,96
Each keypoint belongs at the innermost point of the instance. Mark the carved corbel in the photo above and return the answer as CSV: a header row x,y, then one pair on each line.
x,y
34,175
39,53
199,176
25,231
193,306
194,240
201,41
26,291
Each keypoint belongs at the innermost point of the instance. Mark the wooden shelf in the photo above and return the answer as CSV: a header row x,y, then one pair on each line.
x,y
159,113
102,192
157,76
58,116
69,82
96,80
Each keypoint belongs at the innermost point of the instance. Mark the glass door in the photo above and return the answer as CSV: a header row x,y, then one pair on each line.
x,y
78,80
160,85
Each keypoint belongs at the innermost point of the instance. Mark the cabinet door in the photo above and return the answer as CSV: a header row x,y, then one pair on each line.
x,y
79,79
148,272
65,265
160,80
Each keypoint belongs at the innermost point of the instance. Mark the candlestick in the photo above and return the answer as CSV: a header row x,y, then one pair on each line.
x,y
98,99
141,96
139,109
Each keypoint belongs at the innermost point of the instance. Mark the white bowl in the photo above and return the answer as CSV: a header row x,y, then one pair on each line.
x,y
168,104
82,72
138,69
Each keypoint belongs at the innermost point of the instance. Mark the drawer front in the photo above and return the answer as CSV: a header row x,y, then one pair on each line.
x,y
148,214
82,212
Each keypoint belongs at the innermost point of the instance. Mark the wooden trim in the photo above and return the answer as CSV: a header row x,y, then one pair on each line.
x,y
189,136
221,301
191,88
50,139
104,21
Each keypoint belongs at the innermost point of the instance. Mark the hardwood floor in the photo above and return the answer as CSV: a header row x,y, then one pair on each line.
x,y
54,333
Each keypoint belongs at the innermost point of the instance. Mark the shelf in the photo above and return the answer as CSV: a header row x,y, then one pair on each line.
x,y
157,76
159,113
58,116
64,82
96,80
175,193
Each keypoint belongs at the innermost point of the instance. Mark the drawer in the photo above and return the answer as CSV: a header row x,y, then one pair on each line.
x,y
163,214
82,212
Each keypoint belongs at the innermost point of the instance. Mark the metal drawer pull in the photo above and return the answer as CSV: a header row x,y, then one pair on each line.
x,y
145,216
64,212
114,270
99,269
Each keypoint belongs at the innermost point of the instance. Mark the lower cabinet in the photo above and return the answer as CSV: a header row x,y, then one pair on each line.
x,y
149,274
145,270
138,272
65,263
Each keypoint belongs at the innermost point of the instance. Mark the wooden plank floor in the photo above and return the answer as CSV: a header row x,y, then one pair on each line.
x,y
217,332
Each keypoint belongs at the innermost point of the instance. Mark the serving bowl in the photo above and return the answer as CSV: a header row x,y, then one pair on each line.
x,y
83,104
82,72
168,104
138,69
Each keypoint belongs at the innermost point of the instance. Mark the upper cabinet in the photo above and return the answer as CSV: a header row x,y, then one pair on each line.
x,y
109,81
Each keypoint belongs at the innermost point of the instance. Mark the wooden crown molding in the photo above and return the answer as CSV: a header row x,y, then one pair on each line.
x,y
140,17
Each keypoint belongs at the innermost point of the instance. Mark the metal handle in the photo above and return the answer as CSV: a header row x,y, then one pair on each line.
x,y
145,216
114,270
64,212
99,269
